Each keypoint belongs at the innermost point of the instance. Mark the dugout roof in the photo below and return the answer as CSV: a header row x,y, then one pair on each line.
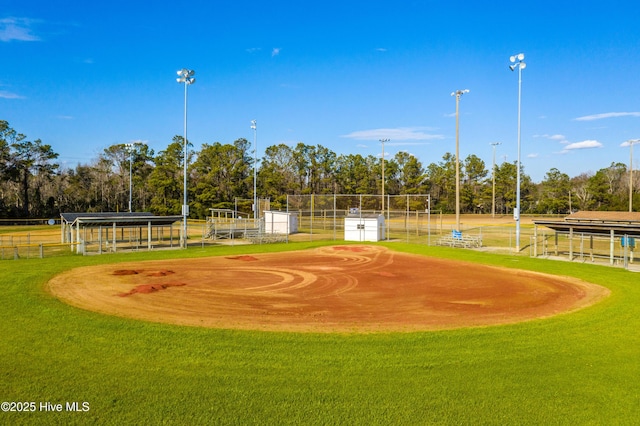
x,y
119,219
594,222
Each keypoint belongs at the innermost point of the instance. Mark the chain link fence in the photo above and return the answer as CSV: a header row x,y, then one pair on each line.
x,y
28,245
322,217
616,250
407,218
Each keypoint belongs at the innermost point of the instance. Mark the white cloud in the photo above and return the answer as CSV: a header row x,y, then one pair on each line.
x,y
629,142
607,115
390,143
381,49
557,137
397,134
588,144
253,49
9,95
534,155
17,29
570,146
275,51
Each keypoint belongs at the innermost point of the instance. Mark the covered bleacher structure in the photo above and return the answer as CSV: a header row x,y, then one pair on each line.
x,y
96,233
590,235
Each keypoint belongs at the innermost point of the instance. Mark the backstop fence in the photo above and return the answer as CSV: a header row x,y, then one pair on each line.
x,y
407,217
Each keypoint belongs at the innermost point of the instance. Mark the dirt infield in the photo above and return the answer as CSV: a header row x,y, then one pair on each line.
x,y
330,289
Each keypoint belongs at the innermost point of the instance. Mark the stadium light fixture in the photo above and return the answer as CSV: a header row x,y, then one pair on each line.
x,y
458,94
254,126
631,142
518,62
185,76
382,141
129,148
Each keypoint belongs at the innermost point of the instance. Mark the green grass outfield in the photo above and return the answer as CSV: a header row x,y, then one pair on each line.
x,y
577,368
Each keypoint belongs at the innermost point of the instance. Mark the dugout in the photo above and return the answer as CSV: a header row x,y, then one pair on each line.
x,y
591,234
364,227
110,232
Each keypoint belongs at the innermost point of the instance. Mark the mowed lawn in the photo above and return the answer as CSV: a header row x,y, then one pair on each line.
x,y
577,368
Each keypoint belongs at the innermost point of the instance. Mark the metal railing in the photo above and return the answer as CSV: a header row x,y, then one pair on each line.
x,y
35,250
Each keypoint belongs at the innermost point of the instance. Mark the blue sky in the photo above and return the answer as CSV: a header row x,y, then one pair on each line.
x,y
82,76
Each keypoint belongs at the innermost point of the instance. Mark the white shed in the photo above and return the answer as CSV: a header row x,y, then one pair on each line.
x,y
366,227
280,222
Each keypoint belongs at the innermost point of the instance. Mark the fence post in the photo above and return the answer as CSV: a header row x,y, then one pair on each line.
x,y
312,213
41,251
611,246
334,217
570,244
15,253
429,222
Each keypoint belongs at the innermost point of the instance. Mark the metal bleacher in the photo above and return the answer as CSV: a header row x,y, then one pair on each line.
x,y
457,239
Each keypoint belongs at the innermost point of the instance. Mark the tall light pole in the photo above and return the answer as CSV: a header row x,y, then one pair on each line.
x,y
458,94
254,126
383,141
518,62
631,142
493,178
129,149
185,76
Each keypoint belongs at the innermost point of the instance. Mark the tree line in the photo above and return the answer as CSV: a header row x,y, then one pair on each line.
x,y
34,185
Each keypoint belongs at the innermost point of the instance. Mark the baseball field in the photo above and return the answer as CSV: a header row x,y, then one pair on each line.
x,y
318,333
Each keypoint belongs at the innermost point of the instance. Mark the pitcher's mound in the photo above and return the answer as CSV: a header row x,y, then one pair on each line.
x,y
331,289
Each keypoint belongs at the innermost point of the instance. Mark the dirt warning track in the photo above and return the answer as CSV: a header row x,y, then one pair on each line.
x,y
330,289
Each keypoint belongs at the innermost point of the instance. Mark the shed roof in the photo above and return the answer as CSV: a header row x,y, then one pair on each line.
x,y
119,219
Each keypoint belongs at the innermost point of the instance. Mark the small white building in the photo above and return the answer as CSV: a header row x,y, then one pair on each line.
x,y
280,222
366,227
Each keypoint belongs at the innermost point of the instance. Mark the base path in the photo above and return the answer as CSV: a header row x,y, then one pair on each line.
x,y
352,288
